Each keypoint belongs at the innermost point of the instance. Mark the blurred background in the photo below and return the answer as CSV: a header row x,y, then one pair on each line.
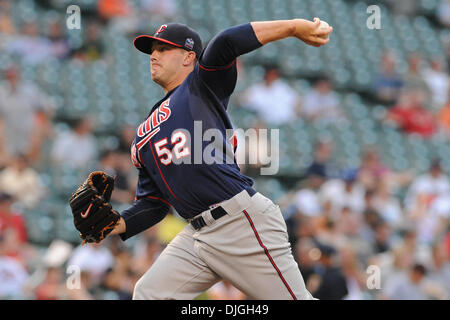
x,y
364,141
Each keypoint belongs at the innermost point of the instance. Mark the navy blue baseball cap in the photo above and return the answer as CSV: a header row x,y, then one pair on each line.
x,y
175,34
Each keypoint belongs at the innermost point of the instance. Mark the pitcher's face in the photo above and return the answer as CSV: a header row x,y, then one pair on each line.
x,y
166,62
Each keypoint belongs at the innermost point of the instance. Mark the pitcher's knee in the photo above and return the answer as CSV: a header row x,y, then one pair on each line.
x,y
144,290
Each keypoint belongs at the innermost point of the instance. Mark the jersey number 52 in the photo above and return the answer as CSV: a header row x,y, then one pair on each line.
x,y
179,150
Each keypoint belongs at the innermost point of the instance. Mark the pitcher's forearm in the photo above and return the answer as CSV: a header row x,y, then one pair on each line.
x,y
269,31
310,32
144,214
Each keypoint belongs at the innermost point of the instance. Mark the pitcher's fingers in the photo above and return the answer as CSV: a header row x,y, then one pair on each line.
x,y
312,43
319,40
323,32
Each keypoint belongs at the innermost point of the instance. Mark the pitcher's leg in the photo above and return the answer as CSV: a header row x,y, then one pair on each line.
x,y
278,270
178,273
256,258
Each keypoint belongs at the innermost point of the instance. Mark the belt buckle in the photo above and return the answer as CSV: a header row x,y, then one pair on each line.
x,y
198,223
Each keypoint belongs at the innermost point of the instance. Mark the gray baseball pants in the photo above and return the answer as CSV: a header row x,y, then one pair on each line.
x,y
249,247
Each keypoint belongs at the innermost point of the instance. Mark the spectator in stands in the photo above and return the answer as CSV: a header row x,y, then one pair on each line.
x,y
404,7
158,12
274,99
23,182
128,174
427,187
322,103
43,130
302,226
143,261
414,285
7,26
306,200
59,42
126,137
79,138
112,286
322,158
438,81
93,47
93,258
427,203
372,168
10,219
443,118
443,13
20,104
414,79
121,16
388,83
354,273
388,206
13,275
329,233
109,9
343,193
440,265
52,286
119,280
329,279
30,45
305,254
349,223
432,222
22,252
382,240
410,116
113,164
395,263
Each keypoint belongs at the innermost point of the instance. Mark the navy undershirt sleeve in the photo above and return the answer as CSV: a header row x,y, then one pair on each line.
x,y
217,64
144,214
229,44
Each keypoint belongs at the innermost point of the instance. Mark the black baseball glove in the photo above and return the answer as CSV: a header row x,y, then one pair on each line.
x,y
93,216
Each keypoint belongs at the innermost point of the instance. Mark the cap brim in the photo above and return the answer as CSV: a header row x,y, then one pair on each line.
x,y
144,43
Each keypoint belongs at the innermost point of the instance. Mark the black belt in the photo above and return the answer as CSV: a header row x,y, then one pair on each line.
x,y
216,213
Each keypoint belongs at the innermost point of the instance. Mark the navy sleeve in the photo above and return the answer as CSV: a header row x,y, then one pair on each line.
x,y
217,64
149,207
144,214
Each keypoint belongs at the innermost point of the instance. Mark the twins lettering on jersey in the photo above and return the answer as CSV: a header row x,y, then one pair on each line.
x,y
150,127
176,148
147,131
135,156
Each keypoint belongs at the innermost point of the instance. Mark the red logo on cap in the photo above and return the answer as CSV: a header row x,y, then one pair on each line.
x,y
161,29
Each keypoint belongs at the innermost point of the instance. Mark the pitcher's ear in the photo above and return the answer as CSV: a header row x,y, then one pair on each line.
x,y
189,58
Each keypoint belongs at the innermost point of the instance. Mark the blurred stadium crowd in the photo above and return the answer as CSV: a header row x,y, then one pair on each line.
x,y
364,142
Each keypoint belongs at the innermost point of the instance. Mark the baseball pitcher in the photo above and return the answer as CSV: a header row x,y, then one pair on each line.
x,y
234,232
